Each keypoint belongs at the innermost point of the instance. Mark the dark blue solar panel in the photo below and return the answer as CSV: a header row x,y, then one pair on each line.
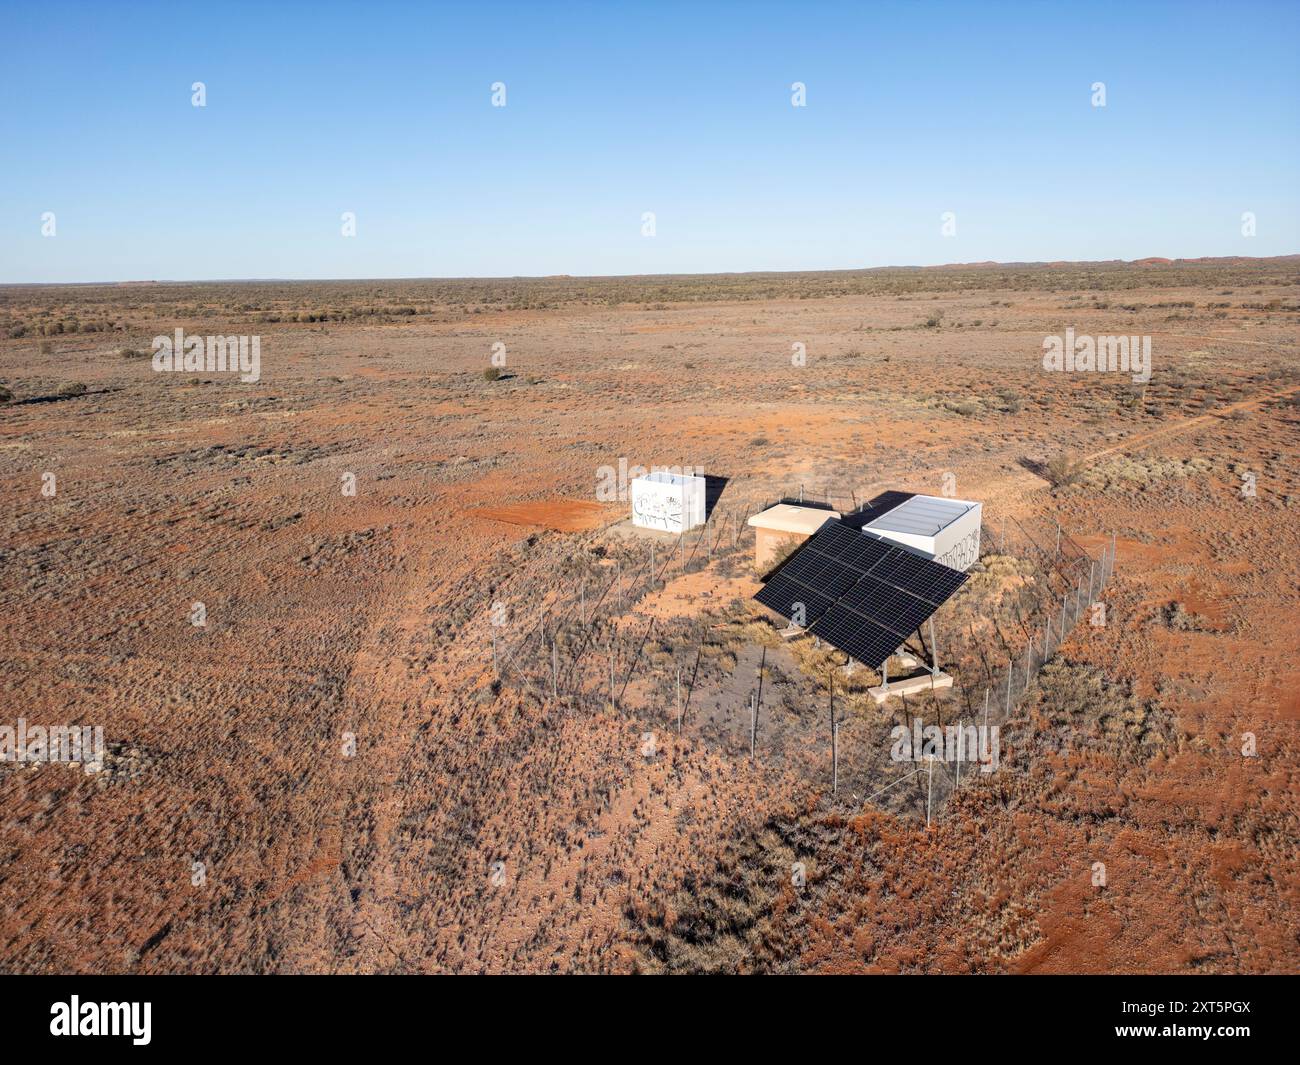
x,y
784,595
859,637
859,593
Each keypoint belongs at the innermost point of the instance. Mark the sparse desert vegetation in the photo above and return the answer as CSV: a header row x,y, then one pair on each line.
x,y
367,792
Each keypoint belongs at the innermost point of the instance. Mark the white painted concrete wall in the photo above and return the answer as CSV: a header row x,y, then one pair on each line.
x,y
668,502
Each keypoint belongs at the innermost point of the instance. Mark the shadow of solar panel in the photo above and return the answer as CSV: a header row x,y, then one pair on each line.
x,y
876,508
898,611
782,594
931,581
860,637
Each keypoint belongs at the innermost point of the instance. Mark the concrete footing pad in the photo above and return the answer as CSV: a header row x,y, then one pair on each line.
x,y
913,685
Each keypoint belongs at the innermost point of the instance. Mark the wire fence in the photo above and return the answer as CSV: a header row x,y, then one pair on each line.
x,y
589,645
1075,576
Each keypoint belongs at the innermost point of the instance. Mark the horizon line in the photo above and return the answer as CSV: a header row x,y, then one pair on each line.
x,y
1150,260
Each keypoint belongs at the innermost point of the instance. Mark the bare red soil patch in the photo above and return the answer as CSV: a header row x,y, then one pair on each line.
x,y
563,515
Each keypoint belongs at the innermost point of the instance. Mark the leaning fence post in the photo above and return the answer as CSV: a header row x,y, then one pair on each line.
x,y
753,726
679,702
929,798
960,744
835,758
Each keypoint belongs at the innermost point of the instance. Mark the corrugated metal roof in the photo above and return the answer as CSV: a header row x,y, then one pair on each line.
x,y
921,516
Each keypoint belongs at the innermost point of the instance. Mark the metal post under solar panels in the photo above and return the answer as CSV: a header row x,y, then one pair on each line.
x,y
934,651
884,675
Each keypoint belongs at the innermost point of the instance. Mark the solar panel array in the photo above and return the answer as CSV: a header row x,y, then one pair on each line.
x,y
859,593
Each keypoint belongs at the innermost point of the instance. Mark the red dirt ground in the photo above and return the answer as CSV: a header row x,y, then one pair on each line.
x,y
485,827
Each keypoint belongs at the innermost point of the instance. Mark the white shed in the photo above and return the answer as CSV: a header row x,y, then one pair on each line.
x,y
946,530
669,502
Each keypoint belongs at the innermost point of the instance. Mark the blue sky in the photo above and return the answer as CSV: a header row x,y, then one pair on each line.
x,y
913,110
